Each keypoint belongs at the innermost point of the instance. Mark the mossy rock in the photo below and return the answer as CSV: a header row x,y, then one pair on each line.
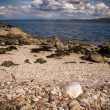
x,y
8,64
40,60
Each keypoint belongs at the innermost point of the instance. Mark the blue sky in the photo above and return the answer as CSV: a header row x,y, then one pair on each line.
x,y
54,9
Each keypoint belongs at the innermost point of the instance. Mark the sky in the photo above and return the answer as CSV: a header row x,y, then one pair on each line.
x,y
54,9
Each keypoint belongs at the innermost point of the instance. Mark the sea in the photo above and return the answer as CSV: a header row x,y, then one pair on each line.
x,y
89,31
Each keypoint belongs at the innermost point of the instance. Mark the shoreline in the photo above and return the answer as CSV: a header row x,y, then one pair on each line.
x,y
33,72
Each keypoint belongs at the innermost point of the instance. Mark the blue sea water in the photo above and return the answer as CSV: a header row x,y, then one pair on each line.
x,y
66,30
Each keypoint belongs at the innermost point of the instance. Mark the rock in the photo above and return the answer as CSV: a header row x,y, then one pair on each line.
x,y
40,60
96,57
2,50
62,53
27,61
73,89
8,64
42,48
10,48
104,50
53,42
54,56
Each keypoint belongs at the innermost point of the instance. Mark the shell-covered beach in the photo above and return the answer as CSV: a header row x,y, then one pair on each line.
x,y
34,72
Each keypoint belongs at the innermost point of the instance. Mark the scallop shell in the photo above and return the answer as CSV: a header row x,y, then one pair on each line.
x,y
73,89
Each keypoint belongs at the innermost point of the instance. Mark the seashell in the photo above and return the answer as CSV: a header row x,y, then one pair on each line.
x,y
73,89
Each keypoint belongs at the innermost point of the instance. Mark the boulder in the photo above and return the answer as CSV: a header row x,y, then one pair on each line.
x,y
104,50
96,57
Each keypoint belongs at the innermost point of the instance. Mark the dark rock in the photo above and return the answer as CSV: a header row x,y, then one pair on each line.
x,y
40,60
27,61
78,49
3,50
62,52
8,64
54,56
35,50
13,39
10,48
109,62
104,50
70,62
42,48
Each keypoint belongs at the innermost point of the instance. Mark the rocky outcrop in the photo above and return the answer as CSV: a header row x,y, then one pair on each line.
x,y
10,35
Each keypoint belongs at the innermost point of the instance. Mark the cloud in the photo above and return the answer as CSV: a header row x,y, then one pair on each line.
x,y
58,9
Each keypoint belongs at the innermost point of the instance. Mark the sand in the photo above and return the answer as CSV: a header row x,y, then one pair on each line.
x,y
55,71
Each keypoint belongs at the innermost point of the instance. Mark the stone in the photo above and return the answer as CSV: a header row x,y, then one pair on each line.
x,y
2,50
73,89
40,60
10,48
27,61
104,50
8,64
96,57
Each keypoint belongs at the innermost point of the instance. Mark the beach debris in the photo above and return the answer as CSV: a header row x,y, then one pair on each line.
x,y
73,89
8,64
40,60
13,78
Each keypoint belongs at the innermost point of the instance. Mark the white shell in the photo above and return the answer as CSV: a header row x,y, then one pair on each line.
x,y
73,89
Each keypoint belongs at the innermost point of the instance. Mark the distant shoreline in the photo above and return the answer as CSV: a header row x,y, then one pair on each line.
x,y
62,20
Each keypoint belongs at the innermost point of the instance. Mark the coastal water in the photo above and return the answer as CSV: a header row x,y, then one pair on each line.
x,y
66,30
